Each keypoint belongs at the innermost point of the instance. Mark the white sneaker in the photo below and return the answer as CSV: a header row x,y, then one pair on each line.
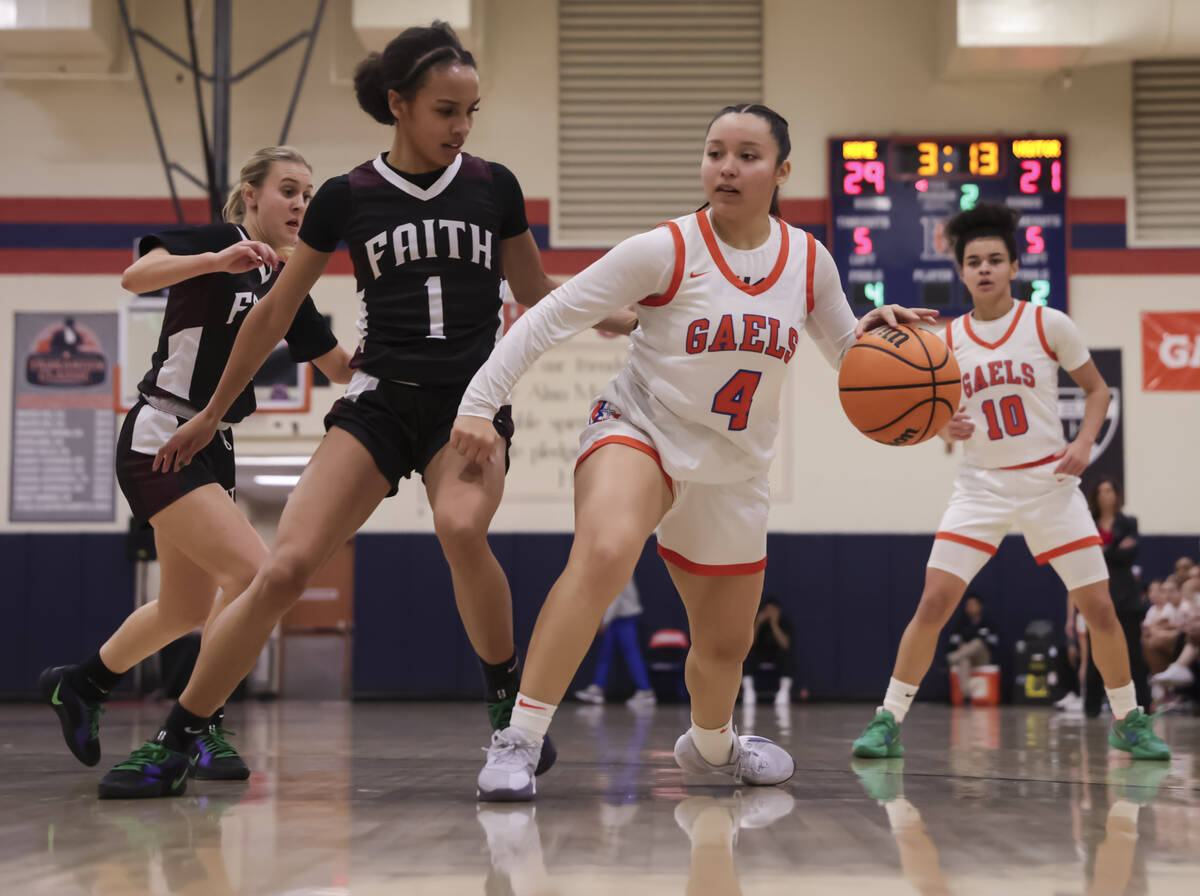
x,y
642,700
512,834
760,807
508,775
1174,675
748,696
1069,703
593,693
755,760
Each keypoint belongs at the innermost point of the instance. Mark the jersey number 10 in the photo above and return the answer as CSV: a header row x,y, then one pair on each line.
x,y
1012,416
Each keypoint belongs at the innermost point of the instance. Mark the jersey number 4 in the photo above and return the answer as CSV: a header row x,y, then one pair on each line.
x,y
1012,416
735,396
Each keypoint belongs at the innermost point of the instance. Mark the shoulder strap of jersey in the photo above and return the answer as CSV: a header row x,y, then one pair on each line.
x,y
810,264
950,334
677,274
1037,316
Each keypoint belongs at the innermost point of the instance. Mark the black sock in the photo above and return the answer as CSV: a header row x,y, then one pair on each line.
x,y
181,728
217,718
501,680
93,680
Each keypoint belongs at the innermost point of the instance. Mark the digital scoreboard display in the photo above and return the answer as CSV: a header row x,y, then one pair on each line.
x,y
891,196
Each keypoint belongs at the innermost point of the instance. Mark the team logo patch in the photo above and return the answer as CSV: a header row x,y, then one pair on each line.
x,y
603,411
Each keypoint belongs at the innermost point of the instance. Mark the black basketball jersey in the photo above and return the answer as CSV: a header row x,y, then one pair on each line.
x,y
202,320
426,253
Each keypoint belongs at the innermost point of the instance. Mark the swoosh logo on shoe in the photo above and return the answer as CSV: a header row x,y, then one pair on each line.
x,y
183,774
194,730
54,701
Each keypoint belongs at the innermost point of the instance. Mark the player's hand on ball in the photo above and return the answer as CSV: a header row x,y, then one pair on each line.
x,y
474,438
960,427
1075,460
892,315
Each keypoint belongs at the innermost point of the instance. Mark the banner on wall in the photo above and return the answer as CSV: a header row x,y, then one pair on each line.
x,y
1108,454
63,426
1171,351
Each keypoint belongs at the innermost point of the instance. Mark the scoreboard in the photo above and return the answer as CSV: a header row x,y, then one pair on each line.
x,y
891,196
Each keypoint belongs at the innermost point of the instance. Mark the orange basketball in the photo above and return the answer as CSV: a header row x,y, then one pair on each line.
x,y
899,385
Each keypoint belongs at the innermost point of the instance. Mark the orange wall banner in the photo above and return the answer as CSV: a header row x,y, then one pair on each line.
x,y
1171,351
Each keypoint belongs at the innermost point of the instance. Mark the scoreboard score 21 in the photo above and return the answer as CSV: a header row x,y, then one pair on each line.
x,y
891,196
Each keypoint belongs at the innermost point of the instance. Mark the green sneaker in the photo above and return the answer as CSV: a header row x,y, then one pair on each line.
x,y
881,739
151,770
881,779
1135,736
215,759
1137,782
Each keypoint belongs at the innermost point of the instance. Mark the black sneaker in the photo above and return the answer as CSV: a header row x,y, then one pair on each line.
x,y
214,759
499,714
151,770
80,719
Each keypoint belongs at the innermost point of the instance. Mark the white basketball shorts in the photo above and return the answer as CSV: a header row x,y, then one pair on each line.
x,y
1048,509
710,529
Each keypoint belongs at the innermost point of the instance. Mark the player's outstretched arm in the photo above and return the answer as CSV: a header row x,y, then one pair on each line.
x,y
261,331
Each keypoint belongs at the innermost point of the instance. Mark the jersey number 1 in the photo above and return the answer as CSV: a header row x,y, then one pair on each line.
x,y
735,396
437,320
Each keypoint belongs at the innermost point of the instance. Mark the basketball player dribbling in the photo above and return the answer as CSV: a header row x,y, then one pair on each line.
x,y
680,441
205,544
428,229
1017,470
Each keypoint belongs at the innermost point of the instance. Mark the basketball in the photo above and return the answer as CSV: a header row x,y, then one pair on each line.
x,y
899,385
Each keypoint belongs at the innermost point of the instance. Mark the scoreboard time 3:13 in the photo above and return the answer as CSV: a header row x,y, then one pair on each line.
x,y
891,196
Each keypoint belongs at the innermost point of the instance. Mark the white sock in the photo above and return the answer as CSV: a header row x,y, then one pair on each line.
x,y
1122,700
532,717
715,744
899,698
785,685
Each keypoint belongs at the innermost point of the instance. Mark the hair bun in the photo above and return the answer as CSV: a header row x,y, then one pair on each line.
x,y
369,88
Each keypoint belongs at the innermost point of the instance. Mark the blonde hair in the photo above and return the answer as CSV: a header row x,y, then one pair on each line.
x,y
254,173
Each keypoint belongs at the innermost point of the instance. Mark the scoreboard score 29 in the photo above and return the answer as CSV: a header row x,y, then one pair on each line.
x,y
891,196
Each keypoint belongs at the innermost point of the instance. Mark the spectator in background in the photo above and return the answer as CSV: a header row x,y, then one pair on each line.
x,y
1179,673
771,650
620,625
1183,569
971,643
1119,534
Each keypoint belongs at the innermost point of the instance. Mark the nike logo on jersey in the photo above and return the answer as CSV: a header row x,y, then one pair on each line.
x,y
753,333
699,273
996,373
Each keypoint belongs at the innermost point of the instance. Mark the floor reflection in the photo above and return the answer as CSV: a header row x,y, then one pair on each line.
x,y
377,799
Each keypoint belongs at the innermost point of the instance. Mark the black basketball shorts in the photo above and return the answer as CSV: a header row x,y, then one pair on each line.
x,y
145,431
403,426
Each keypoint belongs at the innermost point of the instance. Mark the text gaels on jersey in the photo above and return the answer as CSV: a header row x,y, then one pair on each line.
x,y
997,373
756,333
429,238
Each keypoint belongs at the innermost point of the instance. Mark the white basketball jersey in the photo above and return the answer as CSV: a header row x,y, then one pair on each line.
x,y
708,359
1010,390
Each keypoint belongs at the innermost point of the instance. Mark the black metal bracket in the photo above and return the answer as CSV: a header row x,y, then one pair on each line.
x,y
216,150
